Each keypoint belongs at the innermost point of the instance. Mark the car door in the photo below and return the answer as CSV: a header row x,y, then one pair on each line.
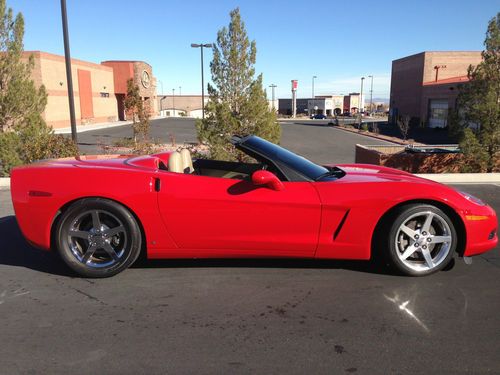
x,y
229,217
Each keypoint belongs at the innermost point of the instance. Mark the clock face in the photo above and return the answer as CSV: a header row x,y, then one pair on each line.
x,y
145,80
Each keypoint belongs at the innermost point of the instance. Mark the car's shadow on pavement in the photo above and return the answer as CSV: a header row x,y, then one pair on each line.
x,y
15,251
299,263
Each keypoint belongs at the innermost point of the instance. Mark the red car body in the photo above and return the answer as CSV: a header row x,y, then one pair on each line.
x,y
195,216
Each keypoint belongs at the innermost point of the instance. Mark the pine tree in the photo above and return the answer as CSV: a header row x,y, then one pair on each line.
x,y
19,98
24,135
238,102
476,119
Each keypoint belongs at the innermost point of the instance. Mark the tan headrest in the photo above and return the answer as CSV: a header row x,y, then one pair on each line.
x,y
187,162
175,163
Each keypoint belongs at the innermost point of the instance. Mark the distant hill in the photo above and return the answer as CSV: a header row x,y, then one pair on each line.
x,y
378,100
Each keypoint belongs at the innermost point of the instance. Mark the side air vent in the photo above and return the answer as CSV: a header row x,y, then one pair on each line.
x,y
341,224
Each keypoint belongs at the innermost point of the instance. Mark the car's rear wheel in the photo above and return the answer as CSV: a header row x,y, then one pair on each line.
x,y
98,237
422,240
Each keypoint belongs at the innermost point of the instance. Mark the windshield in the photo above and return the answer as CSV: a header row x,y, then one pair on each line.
x,y
282,156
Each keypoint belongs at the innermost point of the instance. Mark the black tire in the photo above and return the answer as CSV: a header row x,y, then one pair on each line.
x,y
408,237
98,237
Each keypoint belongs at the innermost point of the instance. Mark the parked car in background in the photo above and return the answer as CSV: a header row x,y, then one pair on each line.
x,y
318,116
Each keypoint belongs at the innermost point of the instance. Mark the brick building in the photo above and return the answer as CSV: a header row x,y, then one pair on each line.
x,y
99,89
425,86
142,74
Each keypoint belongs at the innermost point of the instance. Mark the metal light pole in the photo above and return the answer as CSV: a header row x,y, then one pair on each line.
x,y
371,94
273,86
173,101
69,78
360,101
200,46
313,86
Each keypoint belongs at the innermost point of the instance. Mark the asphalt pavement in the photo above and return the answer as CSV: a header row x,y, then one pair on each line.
x,y
248,316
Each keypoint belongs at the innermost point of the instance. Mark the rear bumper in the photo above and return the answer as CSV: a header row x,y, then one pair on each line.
x,y
482,231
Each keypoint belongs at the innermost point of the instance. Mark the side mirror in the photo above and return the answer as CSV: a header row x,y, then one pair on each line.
x,y
268,179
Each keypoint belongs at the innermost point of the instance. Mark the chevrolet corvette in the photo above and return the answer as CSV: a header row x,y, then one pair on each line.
x,y
100,212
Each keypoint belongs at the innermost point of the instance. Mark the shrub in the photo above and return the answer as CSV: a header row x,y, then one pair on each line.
x,y
30,142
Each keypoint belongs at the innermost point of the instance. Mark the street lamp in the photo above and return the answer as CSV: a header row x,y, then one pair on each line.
x,y
360,109
371,94
313,86
161,84
200,46
273,86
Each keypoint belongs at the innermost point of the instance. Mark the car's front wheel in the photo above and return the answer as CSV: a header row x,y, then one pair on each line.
x,y
98,237
421,240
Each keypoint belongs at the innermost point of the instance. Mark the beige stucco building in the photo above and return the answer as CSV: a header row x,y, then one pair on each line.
x,y
181,105
98,89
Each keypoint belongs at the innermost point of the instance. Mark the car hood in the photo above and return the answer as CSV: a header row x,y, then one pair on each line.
x,y
376,173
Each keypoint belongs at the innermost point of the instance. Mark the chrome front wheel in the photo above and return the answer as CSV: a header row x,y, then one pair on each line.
x,y
422,240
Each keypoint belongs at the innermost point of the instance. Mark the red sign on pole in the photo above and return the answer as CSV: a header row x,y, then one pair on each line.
x,y
294,84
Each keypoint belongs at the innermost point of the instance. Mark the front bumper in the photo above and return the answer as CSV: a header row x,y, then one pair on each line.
x,y
482,230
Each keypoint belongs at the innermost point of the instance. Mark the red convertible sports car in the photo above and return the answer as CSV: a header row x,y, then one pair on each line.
x,y
99,213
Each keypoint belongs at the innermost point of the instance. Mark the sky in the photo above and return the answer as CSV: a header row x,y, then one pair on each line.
x,y
337,41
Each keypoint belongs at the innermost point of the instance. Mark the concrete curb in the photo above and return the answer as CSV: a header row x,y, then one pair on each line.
x,y
377,136
4,183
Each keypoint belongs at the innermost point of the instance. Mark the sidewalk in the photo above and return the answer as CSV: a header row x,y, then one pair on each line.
x,y
101,125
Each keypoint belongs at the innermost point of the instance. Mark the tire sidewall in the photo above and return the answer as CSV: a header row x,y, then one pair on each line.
x,y
401,216
132,232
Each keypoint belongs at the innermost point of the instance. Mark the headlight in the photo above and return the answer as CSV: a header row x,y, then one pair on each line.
x,y
472,198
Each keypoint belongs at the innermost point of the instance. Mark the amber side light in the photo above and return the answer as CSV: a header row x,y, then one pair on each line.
x,y
476,217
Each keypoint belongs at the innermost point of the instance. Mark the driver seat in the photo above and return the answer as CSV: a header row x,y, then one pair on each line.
x,y
175,162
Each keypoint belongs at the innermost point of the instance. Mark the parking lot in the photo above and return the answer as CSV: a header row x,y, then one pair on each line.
x,y
311,138
247,316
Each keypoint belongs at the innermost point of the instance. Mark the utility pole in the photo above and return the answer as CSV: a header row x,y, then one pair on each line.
x,y
173,100
69,78
273,86
208,45
371,95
